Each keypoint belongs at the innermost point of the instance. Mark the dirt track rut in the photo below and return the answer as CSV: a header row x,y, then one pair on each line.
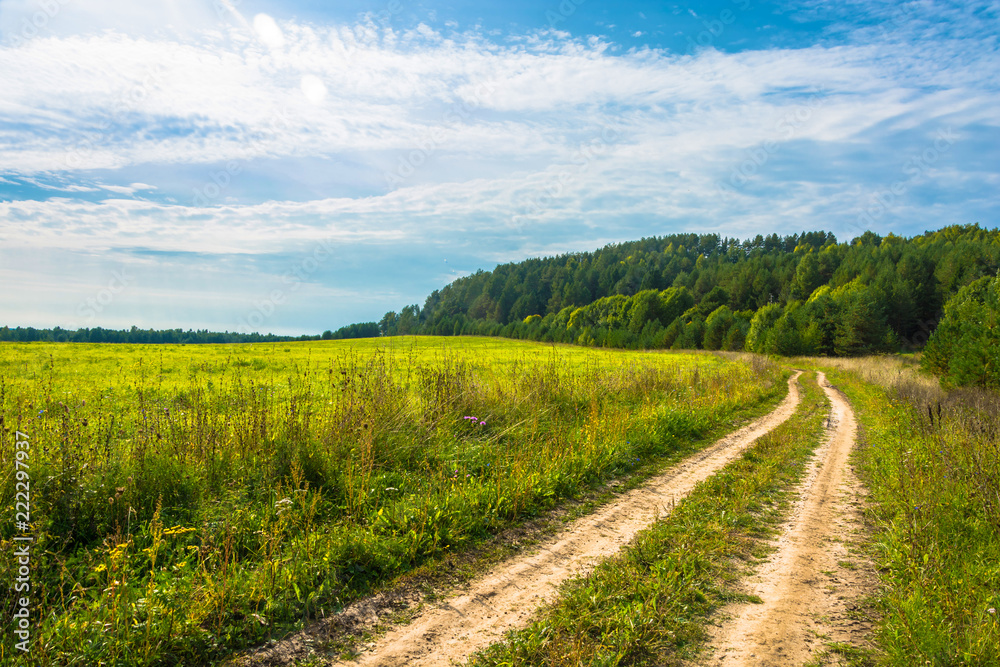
x,y
506,597
810,586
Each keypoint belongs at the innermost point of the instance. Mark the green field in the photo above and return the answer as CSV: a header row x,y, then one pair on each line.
x,y
188,501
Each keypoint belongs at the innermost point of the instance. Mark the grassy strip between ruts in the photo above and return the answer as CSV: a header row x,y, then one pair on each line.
x,y
932,462
649,604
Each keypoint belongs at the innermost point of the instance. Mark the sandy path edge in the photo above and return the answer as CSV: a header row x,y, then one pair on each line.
x,y
506,597
808,592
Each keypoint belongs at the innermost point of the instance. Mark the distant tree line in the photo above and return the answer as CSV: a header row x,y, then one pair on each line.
x,y
359,330
799,294
136,335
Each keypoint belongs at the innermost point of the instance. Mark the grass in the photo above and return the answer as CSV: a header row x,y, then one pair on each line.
x,y
188,501
932,462
648,606
839,653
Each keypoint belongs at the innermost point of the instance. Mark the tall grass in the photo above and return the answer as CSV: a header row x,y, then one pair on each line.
x,y
932,461
192,501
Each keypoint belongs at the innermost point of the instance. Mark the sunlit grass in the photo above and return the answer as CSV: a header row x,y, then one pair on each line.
x,y
190,500
932,462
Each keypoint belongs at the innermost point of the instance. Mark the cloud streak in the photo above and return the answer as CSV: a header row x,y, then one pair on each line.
x,y
489,145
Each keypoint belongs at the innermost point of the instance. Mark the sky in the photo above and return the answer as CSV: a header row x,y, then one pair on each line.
x,y
292,167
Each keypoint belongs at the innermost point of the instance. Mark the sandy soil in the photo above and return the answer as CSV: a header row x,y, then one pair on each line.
x,y
813,585
506,597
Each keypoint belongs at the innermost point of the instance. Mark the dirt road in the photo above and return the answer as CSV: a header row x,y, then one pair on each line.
x,y
811,585
506,597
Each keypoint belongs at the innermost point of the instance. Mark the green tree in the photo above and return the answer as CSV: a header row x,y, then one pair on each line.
x,y
717,326
760,326
807,277
965,347
388,324
676,301
861,325
646,306
784,337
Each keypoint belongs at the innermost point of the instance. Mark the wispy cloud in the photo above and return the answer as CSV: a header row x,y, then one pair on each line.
x,y
179,136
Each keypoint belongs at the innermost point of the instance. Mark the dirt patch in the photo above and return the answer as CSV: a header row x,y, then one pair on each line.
x,y
813,588
507,596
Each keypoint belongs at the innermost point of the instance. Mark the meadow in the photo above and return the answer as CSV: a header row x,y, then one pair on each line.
x,y
188,501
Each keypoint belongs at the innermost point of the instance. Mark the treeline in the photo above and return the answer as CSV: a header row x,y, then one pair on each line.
x,y
799,294
359,330
136,335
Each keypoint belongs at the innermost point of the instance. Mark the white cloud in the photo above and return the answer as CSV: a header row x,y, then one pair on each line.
x,y
127,189
528,144
359,90
268,31
313,88
25,20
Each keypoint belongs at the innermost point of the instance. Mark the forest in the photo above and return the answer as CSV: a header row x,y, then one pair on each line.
x,y
135,335
803,294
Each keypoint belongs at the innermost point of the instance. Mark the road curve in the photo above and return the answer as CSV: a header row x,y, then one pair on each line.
x,y
505,598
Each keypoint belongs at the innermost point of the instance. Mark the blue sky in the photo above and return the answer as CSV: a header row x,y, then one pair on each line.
x,y
296,166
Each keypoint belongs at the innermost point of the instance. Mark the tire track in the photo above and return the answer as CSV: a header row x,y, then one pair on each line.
x,y
806,588
506,597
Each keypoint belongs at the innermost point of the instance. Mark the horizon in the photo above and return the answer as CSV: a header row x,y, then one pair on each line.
x,y
319,166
